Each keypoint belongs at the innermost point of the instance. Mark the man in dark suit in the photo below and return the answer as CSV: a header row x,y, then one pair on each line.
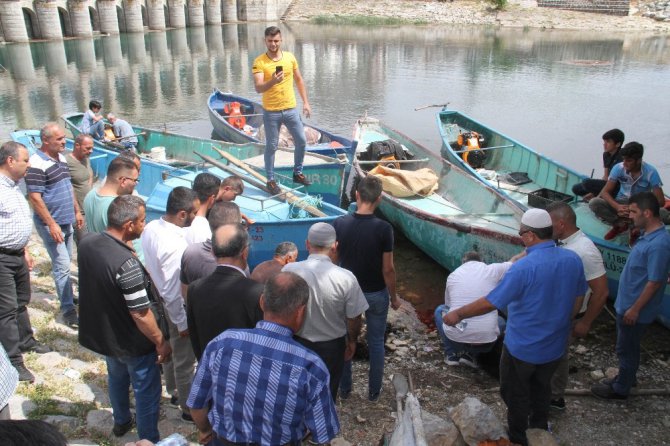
x,y
227,298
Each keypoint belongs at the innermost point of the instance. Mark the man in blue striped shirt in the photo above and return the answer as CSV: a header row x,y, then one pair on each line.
x,y
263,387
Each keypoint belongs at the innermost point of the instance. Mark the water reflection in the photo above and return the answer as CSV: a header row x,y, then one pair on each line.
x,y
521,81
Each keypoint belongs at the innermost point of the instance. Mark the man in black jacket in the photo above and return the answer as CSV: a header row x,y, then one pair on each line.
x,y
227,298
116,318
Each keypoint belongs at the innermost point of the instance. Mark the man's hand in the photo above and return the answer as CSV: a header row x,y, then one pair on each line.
x,y
623,211
350,350
630,316
278,77
581,328
79,218
164,352
396,302
451,318
306,110
183,334
205,437
30,262
56,232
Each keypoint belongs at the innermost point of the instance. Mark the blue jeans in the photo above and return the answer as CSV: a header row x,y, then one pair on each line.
x,y
628,338
455,348
375,318
272,120
97,130
143,373
60,254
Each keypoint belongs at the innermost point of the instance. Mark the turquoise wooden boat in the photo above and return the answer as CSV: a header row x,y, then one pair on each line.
x,y
503,162
326,173
461,215
275,220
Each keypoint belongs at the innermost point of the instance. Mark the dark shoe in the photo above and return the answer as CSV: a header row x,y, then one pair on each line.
x,y
605,391
375,397
344,395
174,401
610,381
119,430
186,417
469,360
71,319
453,359
558,404
616,230
24,374
300,178
273,188
37,348
75,300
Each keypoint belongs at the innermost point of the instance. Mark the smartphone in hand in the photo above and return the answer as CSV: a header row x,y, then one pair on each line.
x,y
279,69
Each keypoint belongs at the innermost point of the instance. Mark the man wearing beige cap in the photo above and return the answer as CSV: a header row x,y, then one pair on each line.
x,y
336,303
542,292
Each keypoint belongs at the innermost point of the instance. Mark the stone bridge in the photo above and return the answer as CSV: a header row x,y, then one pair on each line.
x,y
23,20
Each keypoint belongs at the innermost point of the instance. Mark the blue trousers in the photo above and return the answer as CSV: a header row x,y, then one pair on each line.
x,y
272,120
375,319
453,347
60,254
628,338
143,373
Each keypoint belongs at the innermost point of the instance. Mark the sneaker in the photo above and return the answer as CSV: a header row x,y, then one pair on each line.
x,y
558,404
605,391
616,230
71,319
36,347
300,178
452,359
469,360
273,188
174,401
610,381
24,374
119,430
186,417
373,398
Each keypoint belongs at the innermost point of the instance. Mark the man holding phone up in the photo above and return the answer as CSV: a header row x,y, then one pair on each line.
x,y
274,72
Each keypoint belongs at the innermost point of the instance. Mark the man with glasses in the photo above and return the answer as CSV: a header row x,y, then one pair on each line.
x,y
542,292
122,177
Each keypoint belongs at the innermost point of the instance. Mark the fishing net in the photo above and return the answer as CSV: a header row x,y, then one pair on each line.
x,y
296,210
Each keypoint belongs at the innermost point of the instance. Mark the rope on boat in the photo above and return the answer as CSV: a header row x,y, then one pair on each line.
x,y
297,212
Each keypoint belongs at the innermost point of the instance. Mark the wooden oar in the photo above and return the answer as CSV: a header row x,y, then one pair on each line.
x,y
289,197
230,170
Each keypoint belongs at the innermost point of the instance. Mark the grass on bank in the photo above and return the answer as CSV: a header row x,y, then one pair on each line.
x,y
363,20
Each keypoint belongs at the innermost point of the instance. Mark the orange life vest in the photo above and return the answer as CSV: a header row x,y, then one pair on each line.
x,y
235,118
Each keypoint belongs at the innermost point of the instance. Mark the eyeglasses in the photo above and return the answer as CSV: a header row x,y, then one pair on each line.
x,y
134,180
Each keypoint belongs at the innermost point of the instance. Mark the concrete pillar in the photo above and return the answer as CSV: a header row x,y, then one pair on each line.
x,y
137,53
229,10
20,61
109,22
178,43
55,59
80,18
213,12
47,15
196,13
111,52
133,11
85,53
13,25
156,14
176,12
214,37
158,47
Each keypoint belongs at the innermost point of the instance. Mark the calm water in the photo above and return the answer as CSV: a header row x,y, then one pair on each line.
x,y
524,83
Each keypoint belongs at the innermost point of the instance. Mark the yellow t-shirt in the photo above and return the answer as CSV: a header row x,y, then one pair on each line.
x,y
280,96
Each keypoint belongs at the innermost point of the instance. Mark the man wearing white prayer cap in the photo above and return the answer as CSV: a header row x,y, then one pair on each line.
x,y
541,292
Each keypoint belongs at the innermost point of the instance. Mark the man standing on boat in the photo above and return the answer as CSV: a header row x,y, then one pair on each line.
x,y
632,176
542,292
640,295
274,72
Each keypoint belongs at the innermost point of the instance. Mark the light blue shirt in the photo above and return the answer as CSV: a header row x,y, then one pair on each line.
x,y
539,292
646,182
649,260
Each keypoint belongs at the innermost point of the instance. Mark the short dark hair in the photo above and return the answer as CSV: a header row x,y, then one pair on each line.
x,y
541,233
272,31
633,150
562,210
30,432
615,135
235,183
81,137
205,185
233,246
646,201
123,209
223,213
471,256
118,164
284,293
284,248
181,198
10,148
94,104
369,188
129,154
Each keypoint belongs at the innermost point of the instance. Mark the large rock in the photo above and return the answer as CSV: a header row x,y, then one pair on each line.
x,y
440,432
51,360
99,421
63,423
477,422
539,437
20,407
82,392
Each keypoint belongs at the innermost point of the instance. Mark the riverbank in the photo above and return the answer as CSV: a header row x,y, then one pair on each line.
x,y
517,14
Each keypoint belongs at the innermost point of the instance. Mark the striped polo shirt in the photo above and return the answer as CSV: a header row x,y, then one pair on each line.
x,y
51,178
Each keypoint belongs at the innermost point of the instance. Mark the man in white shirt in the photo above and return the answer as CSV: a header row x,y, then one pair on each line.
x,y
206,186
163,243
467,283
569,236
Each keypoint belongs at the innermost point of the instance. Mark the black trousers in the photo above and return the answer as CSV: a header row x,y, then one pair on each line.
x,y
15,330
526,390
332,354
591,186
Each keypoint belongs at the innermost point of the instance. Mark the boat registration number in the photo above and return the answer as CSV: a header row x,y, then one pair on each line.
x,y
325,179
613,261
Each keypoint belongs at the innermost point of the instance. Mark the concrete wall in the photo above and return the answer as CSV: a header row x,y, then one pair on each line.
x,y
611,7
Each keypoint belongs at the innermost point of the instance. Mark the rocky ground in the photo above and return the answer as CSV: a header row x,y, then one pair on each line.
x,y
645,15
70,390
